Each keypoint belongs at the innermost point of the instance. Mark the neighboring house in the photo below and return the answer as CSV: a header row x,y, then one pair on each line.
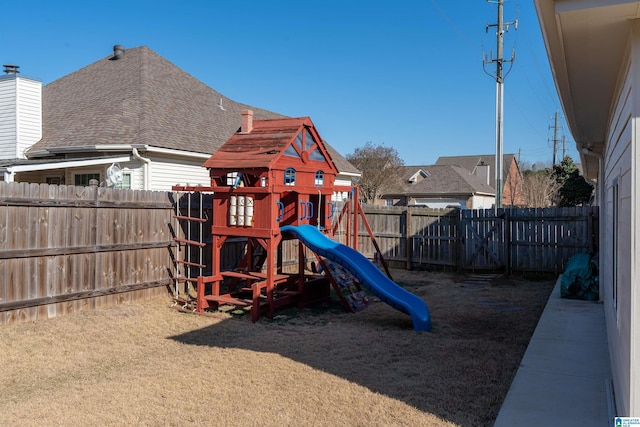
x,y
133,109
594,52
439,186
484,166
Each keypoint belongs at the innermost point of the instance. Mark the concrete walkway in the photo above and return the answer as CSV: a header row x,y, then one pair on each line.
x,y
564,376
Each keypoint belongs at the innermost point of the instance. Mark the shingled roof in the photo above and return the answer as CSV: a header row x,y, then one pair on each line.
x,y
440,180
140,98
471,162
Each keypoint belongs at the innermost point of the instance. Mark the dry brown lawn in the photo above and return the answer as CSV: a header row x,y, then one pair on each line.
x,y
150,364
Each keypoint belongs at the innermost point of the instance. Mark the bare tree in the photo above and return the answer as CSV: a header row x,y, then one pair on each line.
x,y
539,188
379,165
513,189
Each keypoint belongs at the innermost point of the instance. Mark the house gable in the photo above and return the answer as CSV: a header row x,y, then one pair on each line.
x,y
478,165
471,163
437,182
418,176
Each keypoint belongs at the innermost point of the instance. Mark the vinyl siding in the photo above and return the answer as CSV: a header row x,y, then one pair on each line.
x,y
20,115
482,202
619,167
29,109
167,172
8,127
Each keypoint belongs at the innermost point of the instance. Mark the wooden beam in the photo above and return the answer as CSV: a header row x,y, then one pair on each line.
x,y
34,302
75,250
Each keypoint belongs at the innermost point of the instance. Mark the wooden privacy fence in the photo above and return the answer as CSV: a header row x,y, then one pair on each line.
x,y
66,248
513,239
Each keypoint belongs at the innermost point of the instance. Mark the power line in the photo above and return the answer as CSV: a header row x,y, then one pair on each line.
x,y
450,22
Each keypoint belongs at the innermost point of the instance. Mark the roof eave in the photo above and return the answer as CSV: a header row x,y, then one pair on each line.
x,y
586,43
114,148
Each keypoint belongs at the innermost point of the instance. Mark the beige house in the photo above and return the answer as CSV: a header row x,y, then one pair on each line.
x,y
484,166
440,186
594,52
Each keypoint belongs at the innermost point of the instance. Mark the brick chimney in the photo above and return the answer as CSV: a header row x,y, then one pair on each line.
x,y
247,121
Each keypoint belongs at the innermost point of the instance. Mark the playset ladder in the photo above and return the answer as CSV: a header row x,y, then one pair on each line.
x,y
188,259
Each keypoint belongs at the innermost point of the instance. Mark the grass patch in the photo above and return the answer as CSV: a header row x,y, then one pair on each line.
x,y
149,364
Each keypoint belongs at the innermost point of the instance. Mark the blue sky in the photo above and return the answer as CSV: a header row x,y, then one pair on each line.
x,y
406,74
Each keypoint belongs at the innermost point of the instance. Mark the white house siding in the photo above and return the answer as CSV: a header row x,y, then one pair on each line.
x,y
482,202
8,127
619,168
29,114
166,172
341,180
20,115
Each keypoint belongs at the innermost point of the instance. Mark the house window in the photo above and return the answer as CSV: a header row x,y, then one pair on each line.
x,y
125,184
310,141
232,177
319,181
298,142
615,207
291,152
290,176
317,155
54,180
82,179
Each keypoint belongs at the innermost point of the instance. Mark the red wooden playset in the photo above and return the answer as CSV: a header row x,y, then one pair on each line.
x,y
269,174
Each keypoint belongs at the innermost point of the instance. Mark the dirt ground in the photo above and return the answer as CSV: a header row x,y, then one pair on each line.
x,y
149,364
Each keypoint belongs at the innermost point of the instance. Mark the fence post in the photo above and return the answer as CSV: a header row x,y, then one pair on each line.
x,y
591,232
460,229
507,237
408,238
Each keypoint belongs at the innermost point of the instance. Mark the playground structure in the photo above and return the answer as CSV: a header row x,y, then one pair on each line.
x,y
274,181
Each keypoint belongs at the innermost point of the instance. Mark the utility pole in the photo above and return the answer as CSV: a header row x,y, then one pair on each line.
x,y
501,27
556,140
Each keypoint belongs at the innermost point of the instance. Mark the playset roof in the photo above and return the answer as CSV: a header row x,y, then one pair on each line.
x,y
264,144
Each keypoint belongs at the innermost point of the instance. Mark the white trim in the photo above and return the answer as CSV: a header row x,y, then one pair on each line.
x,y
349,174
85,148
11,170
129,147
169,151
146,166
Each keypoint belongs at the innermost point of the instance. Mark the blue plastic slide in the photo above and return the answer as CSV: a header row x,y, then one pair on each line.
x,y
366,272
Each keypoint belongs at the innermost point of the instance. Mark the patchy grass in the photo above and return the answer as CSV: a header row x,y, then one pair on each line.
x,y
149,364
